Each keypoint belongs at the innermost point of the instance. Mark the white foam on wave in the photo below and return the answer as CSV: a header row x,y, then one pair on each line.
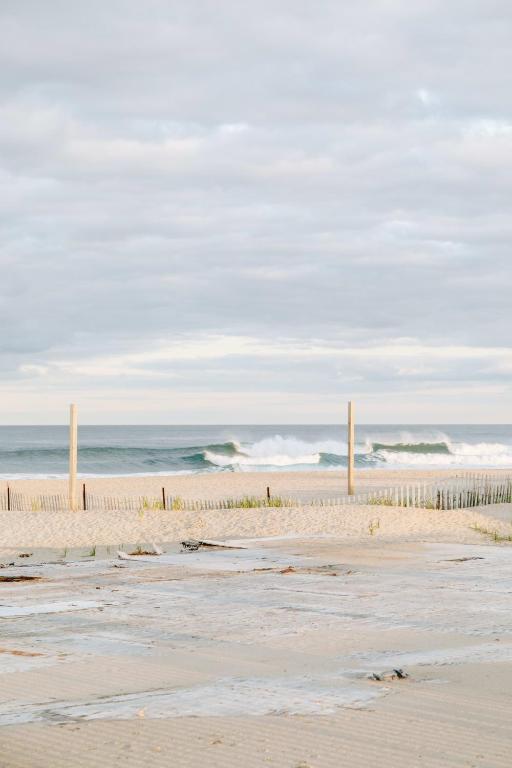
x,y
277,460
481,449
91,475
288,451
460,455
389,448
278,451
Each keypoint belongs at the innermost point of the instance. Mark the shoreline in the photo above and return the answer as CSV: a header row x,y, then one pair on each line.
x,y
217,485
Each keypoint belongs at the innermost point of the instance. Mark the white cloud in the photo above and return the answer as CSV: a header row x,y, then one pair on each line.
x,y
201,197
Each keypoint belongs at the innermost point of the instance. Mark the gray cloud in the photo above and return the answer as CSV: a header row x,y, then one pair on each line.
x,y
293,176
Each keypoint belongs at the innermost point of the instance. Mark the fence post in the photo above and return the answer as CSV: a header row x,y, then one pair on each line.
x,y
73,446
84,498
163,498
350,468
8,498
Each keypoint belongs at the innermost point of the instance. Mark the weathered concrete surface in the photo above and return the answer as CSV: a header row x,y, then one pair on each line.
x,y
260,657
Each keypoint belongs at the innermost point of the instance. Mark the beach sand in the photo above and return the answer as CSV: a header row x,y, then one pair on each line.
x,y
29,530
32,529
261,655
218,485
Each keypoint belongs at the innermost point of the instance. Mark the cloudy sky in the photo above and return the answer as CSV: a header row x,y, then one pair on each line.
x,y
248,212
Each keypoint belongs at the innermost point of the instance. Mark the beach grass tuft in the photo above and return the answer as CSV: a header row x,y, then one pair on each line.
x,y
255,502
141,551
382,501
147,504
492,533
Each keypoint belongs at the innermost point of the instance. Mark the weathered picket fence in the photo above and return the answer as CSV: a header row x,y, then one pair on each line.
x,y
459,494
469,490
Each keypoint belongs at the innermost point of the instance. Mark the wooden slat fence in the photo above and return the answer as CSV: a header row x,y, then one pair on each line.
x,y
469,490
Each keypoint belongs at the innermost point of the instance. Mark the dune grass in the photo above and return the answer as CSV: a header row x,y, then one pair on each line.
x,y
492,533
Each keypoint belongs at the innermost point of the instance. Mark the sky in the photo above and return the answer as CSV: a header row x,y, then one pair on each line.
x,y
234,212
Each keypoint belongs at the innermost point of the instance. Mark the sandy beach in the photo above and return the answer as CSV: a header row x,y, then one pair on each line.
x,y
366,634
29,529
218,485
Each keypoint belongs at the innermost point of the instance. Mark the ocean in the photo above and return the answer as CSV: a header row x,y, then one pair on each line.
x,y
41,451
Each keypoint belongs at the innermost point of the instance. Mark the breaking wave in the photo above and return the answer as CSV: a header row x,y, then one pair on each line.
x,y
290,452
390,448
447,455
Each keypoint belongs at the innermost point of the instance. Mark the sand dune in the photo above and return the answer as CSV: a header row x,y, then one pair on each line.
x,y
85,529
88,528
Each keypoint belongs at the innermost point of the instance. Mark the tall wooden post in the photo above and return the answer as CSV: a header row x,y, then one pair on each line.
x,y
73,457
351,442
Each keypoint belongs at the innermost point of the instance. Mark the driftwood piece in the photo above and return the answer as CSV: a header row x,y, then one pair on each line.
x,y
192,545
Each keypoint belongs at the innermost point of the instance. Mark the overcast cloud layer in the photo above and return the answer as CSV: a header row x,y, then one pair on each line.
x,y
249,212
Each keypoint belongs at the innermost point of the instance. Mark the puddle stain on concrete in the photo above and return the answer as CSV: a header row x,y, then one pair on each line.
x,y
18,611
231,610
224,698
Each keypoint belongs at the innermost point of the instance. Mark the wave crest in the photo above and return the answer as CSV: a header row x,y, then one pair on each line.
x,y
280,451
390,448
276,451
442,447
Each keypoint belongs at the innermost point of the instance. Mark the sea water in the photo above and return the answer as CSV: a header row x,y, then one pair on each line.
x,y
41,451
